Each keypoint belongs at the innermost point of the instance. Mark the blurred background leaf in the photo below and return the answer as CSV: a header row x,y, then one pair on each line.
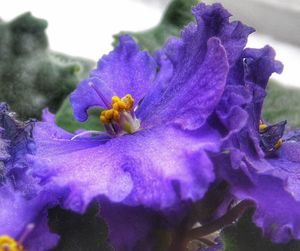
x,y
33,77
282,103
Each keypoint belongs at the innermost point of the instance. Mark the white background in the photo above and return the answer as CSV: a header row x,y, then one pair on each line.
x,y
85,28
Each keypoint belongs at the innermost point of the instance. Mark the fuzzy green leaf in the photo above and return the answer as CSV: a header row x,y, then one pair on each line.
x,y
33,77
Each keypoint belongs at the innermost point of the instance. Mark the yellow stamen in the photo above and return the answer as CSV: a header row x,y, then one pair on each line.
x,y
109,114
278,144
116,116
115,99
118,105
262,126
9,244
129,101
103,119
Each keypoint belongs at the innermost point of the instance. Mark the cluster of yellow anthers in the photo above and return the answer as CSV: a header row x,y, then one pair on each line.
x,y
118,105
9,244
263,127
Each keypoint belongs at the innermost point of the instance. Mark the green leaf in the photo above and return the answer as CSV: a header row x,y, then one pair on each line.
x,y
66,120
245,236
177,15
33,77
282,103
87,232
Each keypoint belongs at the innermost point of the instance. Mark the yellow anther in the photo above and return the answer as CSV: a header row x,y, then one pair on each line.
x,y
116,106
262,127
9,244
115,99
119,105
278,144
116,116
109,114
103,119
129,101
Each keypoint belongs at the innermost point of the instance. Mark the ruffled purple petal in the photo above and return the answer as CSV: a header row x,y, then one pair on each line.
x,y
156,168
193,90
213,20
193,69
126,70
277,212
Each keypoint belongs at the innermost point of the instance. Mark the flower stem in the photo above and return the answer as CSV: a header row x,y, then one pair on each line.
x,y
223,221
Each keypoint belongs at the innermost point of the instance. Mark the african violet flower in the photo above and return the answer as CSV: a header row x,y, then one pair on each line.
x,y
259,162
23,218
158,115
154,150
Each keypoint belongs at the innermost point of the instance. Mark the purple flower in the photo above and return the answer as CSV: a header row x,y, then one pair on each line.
x,y
259,162
157,115
23,215
200,97
149,155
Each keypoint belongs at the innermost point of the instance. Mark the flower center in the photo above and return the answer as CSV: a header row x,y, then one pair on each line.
x,y
120,118
9,244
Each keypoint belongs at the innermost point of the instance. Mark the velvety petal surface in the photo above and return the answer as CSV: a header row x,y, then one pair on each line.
x,y
126,70
132,228
191,94
156,168
193,70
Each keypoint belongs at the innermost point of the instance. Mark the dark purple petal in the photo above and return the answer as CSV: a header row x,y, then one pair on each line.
x,y
277,213
194,88
131,228
156,168
193,69
213,21
126,70
260,65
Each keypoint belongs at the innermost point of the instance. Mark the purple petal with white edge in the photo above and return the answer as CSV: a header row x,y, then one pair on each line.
x,y
126,70
192,92
156,168
18,212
